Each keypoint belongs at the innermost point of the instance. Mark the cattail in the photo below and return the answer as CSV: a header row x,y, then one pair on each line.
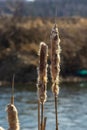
x,y
42,83
42,73
55,66
2,128
55,59
12,117
12,112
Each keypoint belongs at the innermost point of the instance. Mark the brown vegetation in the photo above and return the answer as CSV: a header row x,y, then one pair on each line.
x,y
19,43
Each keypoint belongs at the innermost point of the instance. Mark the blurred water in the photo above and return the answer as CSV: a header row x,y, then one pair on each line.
x,y
72,107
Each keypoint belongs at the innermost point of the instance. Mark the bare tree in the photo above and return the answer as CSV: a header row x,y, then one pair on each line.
x,y
16,8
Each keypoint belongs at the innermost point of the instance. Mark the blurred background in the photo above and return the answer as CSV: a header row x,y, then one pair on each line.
x,y
23,25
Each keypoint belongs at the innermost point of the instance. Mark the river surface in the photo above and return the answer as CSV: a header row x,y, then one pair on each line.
x,y
72,107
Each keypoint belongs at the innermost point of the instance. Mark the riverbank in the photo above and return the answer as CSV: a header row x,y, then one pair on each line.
x,y
31,83
19,46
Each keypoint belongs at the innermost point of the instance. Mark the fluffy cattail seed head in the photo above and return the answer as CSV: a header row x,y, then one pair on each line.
x,y
2,128
12,117
55,59
42,72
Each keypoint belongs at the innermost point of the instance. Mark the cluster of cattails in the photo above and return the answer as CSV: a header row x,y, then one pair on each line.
x,y
42,72
12,112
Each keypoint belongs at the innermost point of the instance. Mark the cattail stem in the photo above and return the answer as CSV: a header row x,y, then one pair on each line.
x,y
38,115
12,100
56,115
55,66
12,96
45,119
42,117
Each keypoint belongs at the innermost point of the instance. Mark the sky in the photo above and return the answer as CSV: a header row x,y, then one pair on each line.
x,y
30,0
26,0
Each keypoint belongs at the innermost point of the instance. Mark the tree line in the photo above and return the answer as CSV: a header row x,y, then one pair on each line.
x,y
45,8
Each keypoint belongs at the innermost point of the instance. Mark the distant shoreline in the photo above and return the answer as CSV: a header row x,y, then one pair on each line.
x,y
70,79
19,45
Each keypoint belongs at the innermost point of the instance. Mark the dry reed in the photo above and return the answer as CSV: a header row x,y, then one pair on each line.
x,y
55,59
2,128
13,117
12,112
42,73
55,66
42,82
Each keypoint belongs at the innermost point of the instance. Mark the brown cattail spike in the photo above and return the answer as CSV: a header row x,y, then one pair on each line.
x,y
55,66
12,112
13,117
42,80
1,128
55,59
42,73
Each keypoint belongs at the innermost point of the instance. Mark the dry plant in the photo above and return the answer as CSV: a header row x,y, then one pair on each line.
x,y
55,65
42,83
13,117
12,112
2,128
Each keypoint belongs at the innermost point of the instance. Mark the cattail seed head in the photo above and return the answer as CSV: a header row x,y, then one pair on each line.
x,y
55,59
2,128
42,72
13,117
